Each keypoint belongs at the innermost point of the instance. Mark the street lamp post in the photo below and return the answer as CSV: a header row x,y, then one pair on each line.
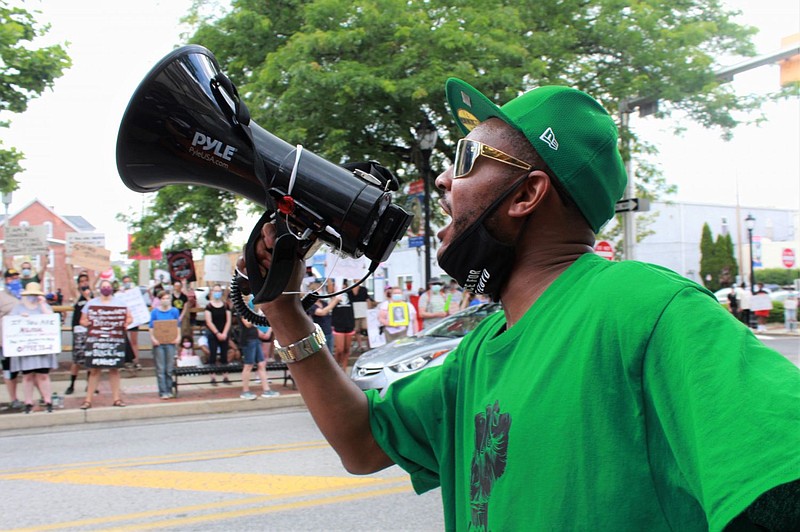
x,y
6,202
750,224
427,141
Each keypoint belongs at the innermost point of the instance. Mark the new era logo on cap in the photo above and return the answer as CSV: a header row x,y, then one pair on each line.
x,y
549,138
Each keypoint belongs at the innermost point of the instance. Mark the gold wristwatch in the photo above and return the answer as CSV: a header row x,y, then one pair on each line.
x,y
302,348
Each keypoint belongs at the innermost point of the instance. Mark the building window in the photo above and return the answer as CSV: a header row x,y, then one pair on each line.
x,y
49,226
24,223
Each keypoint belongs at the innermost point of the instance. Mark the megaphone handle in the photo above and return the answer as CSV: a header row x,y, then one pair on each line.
x,y
284,255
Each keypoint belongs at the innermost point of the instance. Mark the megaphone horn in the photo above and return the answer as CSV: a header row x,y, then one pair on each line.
x,y
185,124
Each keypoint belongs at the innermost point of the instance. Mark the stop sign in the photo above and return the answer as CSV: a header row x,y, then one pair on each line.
x,y
788,257
605,249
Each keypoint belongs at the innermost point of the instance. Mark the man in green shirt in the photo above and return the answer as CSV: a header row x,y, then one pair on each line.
x,y
607,396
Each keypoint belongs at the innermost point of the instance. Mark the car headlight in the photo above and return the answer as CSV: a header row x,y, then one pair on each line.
x,y
418,362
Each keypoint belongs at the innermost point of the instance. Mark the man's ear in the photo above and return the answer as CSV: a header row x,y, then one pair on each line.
x,y
530,194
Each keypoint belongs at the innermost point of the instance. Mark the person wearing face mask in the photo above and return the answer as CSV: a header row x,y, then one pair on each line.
x,y
606,395
164,351
432,303
398,317
13,282
218,321
106,299
81,292
7,302
35,369
28,275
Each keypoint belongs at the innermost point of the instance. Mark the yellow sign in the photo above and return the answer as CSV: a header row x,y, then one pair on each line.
x,y
398,314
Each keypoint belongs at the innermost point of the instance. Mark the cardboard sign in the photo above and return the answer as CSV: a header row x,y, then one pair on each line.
x,y
91,257
97,240
28,240
165,331
181,266
217,268
38,334
105,339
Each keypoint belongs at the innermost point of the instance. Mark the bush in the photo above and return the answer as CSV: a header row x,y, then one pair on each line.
x,y
776,314
779,276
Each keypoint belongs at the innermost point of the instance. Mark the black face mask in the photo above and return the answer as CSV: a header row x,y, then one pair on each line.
x,y
475,259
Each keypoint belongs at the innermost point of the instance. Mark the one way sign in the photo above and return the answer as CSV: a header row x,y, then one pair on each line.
x,y
632,204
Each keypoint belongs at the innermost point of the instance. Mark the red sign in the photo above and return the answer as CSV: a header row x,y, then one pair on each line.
x,y
416,187
788,257
605,249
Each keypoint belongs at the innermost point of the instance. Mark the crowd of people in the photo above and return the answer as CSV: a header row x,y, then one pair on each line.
x,y
223,337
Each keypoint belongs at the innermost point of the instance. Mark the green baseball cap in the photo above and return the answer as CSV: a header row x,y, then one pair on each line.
x,y
569,129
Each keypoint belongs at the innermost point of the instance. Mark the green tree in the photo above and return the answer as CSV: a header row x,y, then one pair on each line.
x,y
707,257
718,267
359,80
728,267
25,72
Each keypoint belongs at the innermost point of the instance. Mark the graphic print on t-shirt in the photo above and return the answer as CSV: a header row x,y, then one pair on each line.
x,y
488,461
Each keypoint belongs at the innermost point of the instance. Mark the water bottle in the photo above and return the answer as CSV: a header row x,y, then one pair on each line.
x,y
56,401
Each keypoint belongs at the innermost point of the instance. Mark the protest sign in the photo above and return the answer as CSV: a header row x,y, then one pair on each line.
x,y
97,240
181,266
26,240
165,331
346,267
105,339
91,257
79,344
217,268
134,300
760,302
38,334
376,338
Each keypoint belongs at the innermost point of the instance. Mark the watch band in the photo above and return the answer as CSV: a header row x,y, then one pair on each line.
x,y
302,348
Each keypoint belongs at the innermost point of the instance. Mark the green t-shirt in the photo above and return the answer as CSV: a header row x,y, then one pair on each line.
x,y
626,398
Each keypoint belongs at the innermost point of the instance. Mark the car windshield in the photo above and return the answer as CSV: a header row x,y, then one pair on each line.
x,y
460,324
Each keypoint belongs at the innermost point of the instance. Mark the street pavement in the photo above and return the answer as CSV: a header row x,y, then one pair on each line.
x,y
140,392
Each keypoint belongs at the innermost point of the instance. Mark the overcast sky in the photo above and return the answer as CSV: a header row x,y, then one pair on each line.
x,y
69,134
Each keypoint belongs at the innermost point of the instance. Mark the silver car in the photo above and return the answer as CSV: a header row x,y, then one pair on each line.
x,y
378,368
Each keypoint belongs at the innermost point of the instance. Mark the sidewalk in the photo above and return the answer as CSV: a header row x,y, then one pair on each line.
x,y
140,392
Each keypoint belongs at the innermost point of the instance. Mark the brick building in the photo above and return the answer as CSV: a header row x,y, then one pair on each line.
x,y
37,213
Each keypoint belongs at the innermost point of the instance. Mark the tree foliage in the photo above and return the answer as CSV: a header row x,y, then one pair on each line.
x,y
718,266
357,80
25,72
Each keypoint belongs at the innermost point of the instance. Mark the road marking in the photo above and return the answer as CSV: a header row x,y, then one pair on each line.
x,y
172,512
245,483
196,456
270,489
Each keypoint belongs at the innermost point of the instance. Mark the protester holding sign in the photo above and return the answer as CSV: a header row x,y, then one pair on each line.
x,y
29,276
81,292
164,339
8,302
35,368
398,317
107,318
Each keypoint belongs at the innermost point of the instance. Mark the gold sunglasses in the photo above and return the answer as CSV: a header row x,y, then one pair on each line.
x,y
468,151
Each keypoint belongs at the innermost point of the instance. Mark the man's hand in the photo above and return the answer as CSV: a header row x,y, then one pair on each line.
x,y
264,248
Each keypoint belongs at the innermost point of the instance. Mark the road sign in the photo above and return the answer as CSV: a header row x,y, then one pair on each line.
x,y
416,241
605,249
632,204
788,257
